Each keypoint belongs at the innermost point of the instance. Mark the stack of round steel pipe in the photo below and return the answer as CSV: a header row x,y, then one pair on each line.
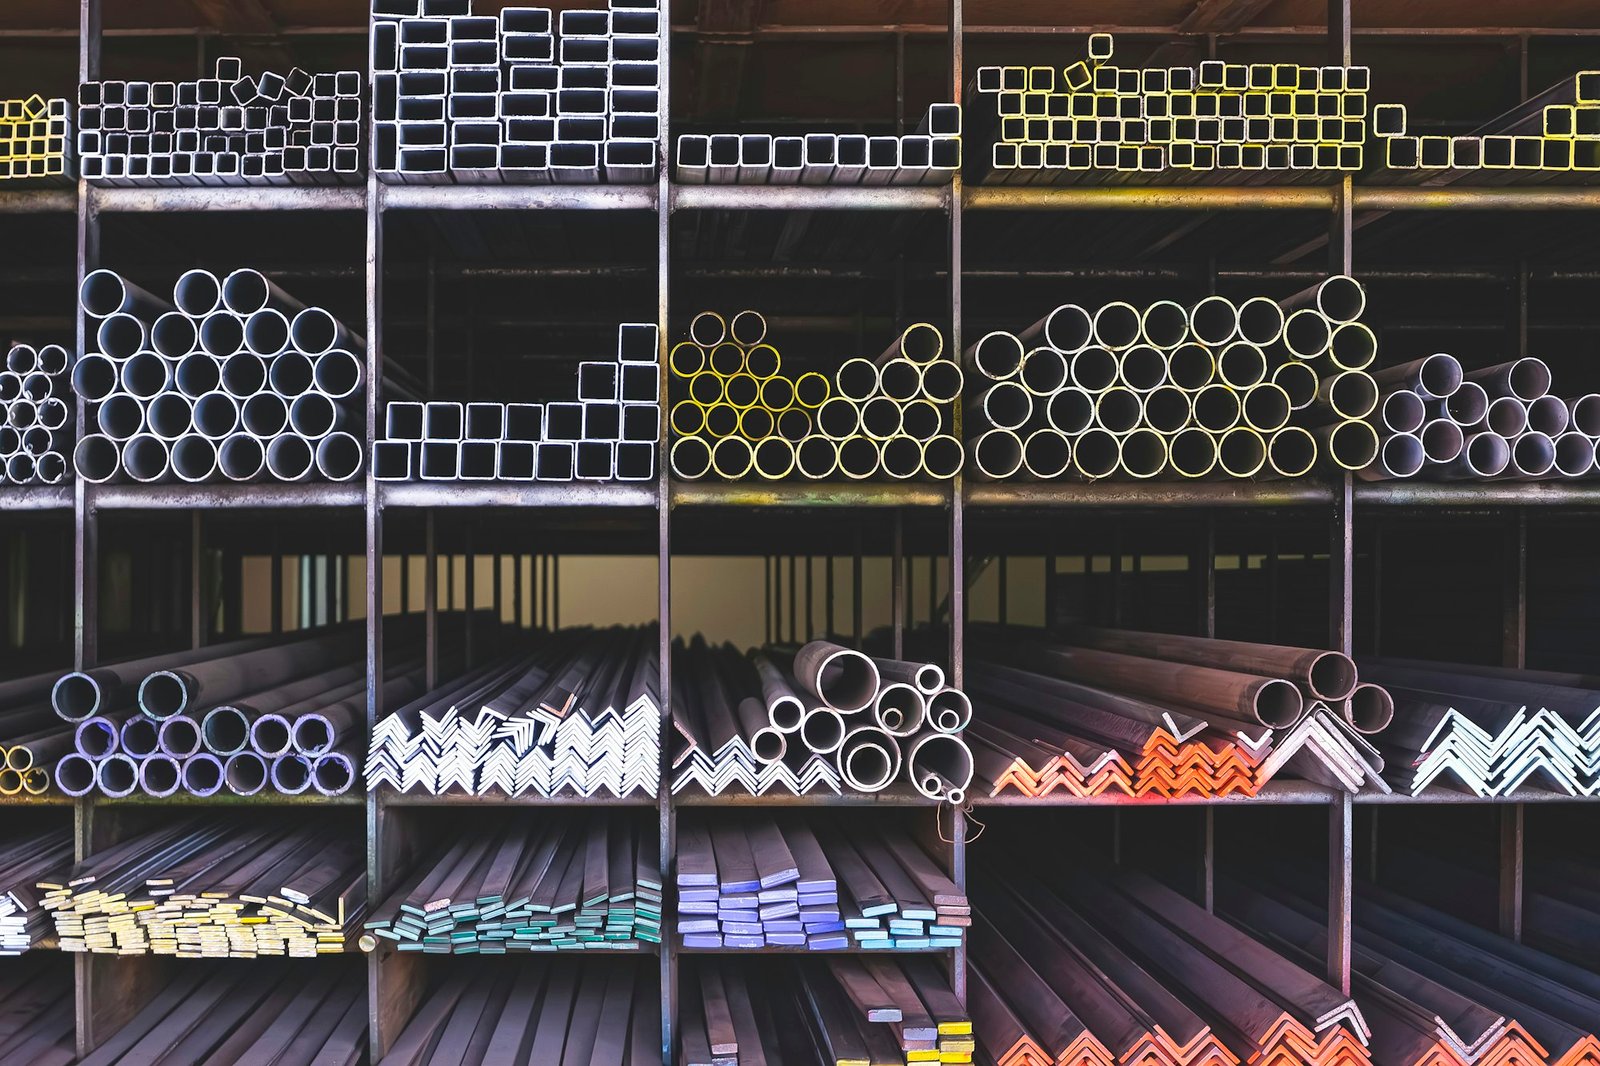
x,y
233,380
1218,389
1437,420
32,737
35,415
736,415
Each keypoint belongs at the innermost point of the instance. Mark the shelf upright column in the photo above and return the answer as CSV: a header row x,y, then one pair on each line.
x,y
958,599
1512,816
666,818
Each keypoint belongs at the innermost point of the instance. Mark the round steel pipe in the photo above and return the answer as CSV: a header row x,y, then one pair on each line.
x,y
1242,365
707,329
1241,452
1348,394
748,328
264,415
96,458
899,709
1575,455
198,374
1548,415
1214,321
1299,380
270,735
1533,456
1191,367
169,415
202,775
1584,414
1007,405
117,775
996,355
816,457
94,377
1433,377
881,418
1369,709
1265,408
174,335
1352,445
53,359
313,414
1142,453
291,774
333,774
221,334
1044,372
726,360
244,375
942,381
121,417
1192,452
949,710
1118,409
1352,346
1094,369
920,419
1402,411
312,734
146,458
1217,408
146,375
51,467
926,678
246,291
1506,416
921,342
245,773
1046,454
997,454
19,468
822,730
900,456
772,458
858,380
1116,326
105,293
75,775
1142,368
1468,406
194,458
1070,411
839,418
1442,440
1485,455
732,457
338,373
22,358
869,759
942,456
840,677
1291,452
1306,334
1260,321
241,457
1096,453
338,456
1525,379
691,458
290,457
858,458
216,414
1400,456
291,374
940,767
197,293
179,735
1164,324
1068,329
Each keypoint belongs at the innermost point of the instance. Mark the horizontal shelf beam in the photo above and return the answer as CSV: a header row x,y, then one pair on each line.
x,y
896,798
387,797
1277,792
36,498
808,494
264,495
1287,493
139,200
519,197
1478,493
810,197
508,494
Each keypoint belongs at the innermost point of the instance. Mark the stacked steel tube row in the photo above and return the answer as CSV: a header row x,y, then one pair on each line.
x,y
229,129
1167,715
1437,420
842,1010
208,887
579,715
1092,968
32,737
597,1011
1207,391
757,882
581,883
609,433
1489,731
36,1012
23,860
241,381
928,157
35,135
734,412
518,96
1222,123
35,415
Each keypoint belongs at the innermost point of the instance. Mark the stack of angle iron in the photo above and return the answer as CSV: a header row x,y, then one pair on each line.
x,y
34,138
595,1011
1207,391
242,381
589,882
503,98
23,860
283,716
35,415
579,715
36,1013
1220,123
1497,422
1553,137
736,414
609,433
209,887
928,157
213,1014
840,1010
752,882
229,129
32,736
1489,731
1092,968
1157,713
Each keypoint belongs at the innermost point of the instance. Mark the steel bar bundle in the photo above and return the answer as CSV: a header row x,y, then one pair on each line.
x,y
34,135
847,1009
600,1012
735,413
204,887
579,883
285,1013
518,96
1217,390
580,714
1489,731
23,860
927,157
1221,123
608,433
230,129
1437,420
1099,967
757,882
240,382
35,415
36,1013
32,737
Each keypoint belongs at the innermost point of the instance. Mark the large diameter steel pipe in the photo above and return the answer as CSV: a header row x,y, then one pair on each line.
x,y
1526,378
1245,697
940,767
927,678
1329,675
105,293
1400,456
246,291
1485,455
869,759
1067,329
226,727
822,730
197,293
1369,709
899,709
1433,377
949,710
171,690
1339,297
245,773
841,678
996,356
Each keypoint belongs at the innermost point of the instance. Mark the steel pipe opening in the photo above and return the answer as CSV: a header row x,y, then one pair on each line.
x,y
707,329
241,457
942,456
997,454
1575,455
117,775
1191,366
338,456
1068,329
1096,453
899,709
174,335
121,417
842,678
145,457
1165,324
857,379
1400,456
1352,445
194,458
94,377
1094,369
197,293
1260,321
1442,440
869,759
1142,368
748,328
1306,334
1116,326
1352,346
822,730
1241,452
290,457
1118,409
1242,365
202,775
1402,411
1506,416
96,458
1217,408
1192,452
998,355
858,458
333,774
245,773
940,767
1369,709
1291,452
1044,371
1468,406
816,457
1214,321
1046,454
221,334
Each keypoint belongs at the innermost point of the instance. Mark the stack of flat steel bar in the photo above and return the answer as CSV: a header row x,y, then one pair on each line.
x,y
845,1010
35,135
581,883
216,1014
35,414
36,1013
204,887
23,861
578,715
32,737
599,1012
1099,967
759,882
928,157
1490,731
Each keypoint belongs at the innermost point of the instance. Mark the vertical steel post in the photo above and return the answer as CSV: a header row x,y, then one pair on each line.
x,y
666,818
197,622
430,601
1514,654
897,588
811,629
958,546
827,579
855,591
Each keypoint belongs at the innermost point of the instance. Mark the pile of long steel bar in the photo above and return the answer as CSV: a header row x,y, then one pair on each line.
x,y
1092,122
748,882
35,415
23,860
34,138
32,737
1168,715
609,433
598,1011
229,129
1093,968
209,887
1206,391
285,1013
842,1010
1554,136
36,1012
580,714
1437,420
927,157
735,413
1489,731
241,381
517,95
575,883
